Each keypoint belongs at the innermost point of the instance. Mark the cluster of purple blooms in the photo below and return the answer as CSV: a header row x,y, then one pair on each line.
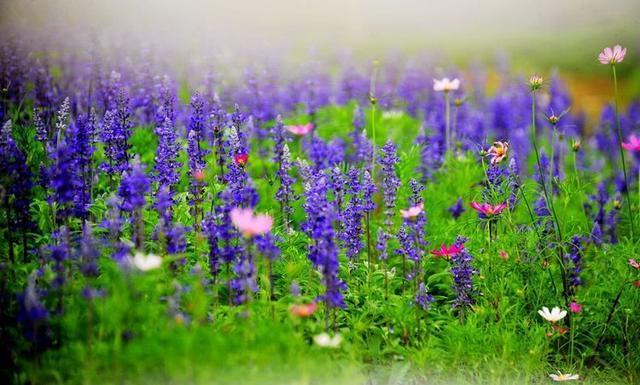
x,y
217,131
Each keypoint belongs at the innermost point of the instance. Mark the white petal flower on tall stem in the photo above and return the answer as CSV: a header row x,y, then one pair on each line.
x,y
553,316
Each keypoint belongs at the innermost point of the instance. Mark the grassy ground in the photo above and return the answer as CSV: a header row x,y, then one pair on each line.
x,y
128,336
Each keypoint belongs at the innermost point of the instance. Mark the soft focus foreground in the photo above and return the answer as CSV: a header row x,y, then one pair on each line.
x,y
405,221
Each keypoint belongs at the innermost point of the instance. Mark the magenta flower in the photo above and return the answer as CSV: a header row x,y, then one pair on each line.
x,y
633,263
448,251
575,307
612,55
250,224
301,129
412,212
498,152
633,144
487,209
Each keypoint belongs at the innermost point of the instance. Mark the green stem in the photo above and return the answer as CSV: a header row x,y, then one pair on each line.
x,y
622,160
447,114
577,172
540,171
373,102
549,202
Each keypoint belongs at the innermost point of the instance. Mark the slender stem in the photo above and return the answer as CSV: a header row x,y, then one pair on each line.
x,y
552,159
373,101
447,108
616,301
540,171
622,160
549,202
571,339
577,172
271,291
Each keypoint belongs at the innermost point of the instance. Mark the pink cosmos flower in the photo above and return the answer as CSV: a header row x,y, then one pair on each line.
x,y
447,251
199,175
498,152
633,144
446,85
412,212
575,307
633,263
301,129
304,310
250,224
487,209
612,55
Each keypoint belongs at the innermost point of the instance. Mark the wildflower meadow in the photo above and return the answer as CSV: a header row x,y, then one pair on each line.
x,y
378,221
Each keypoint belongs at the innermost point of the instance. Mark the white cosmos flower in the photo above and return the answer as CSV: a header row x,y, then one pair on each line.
x,y
326,341
146,262
555,315
564,377
446,85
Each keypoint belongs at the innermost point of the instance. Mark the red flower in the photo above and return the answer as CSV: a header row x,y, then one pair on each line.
x,y
241,159
447,251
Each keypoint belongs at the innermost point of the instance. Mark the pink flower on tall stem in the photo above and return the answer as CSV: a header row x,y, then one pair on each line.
x,y
301,129
498,152
487,209
447,251
612,55
250,224
633,144
412,212
446,85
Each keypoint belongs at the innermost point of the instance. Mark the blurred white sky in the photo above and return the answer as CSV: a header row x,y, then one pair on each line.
x,y
270,24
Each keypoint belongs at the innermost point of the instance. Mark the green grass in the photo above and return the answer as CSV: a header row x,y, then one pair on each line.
x,y
129,337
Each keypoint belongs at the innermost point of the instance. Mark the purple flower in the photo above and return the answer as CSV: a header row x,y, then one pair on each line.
x,y
113,220
167,166
573,263
282,158
423,298
133,189
351,235
463,271
33,315
115,133
323,251
173,235
89,252
390,181
82,136
457,209
362,149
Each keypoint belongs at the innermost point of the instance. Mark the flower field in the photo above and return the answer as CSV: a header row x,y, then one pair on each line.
x,y
392,222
